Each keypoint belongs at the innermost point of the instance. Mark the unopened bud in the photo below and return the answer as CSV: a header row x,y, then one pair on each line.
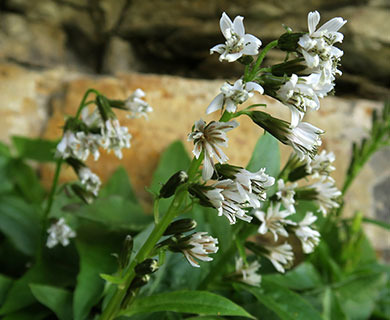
x,y
139,282
255,248
146,267
226,171
198,191
289,41
245,60
83,194
127,249
288,68
169,188
104,108
180,226
76,164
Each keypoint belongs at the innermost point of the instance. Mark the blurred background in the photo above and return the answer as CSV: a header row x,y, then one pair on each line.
x,y
51,51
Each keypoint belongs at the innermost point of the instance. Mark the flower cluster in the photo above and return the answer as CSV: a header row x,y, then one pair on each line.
x,y
246,273
59,232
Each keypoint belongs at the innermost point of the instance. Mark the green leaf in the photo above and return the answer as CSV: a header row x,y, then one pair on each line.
x,y
173,159
20,222
116,213
331,307
5,285
6,184
266,155
197,302
4,150
56,299
34,312
359,294
119,184
40,150
303,277
379,223
95,258
282,301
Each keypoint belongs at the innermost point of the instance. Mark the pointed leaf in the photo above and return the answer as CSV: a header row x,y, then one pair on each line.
x,y
35,149
197,302
56,299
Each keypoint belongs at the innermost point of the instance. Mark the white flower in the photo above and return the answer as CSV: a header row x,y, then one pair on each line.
x,y
309,237
226,198
253,185
89,143
298,94
321,165
326,194
282,256
59,232
286,195
317,46
247,273
233,95
90,180
274,220
68,146
208,138
138,107
305,140
237,42
92,119
115,137
199,246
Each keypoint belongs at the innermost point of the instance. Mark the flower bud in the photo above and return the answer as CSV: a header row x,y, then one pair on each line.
x,y
246,60
83,194
288,68
180,226
146,267
104,108
127,248
199,191
255,248
169,188
226,171
139,282
289,41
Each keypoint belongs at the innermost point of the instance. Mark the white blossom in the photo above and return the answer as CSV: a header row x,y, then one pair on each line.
x,y
317,46
199,246
225,197
90,180
309,237
253,185
281,256
237,42
247,273
298,94
138,107
286,195
88,143
321,166
59,232
233,95
115,137
305,140
68,146
326,195
274,220
208,138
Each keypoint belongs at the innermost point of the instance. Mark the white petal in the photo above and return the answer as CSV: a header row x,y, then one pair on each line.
x,y
216,104
225,24
312,21
332,25
239,26
219,48
231,57
253,86
230,106
208,168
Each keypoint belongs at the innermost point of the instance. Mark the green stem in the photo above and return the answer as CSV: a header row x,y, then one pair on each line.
x,y
113,307
260,59
83,104
47,210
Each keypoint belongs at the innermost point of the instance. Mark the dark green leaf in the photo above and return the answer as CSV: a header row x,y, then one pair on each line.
x,y
56,299
20,222
35,149
116,212
6,184
284,302
303,277
331,307
119,185
5,285
4,150
34,312
266,155
379,223
197,302
95,258
358,295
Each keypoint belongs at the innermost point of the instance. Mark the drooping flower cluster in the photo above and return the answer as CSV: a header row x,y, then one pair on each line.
x,y
281,256
59,232
247,273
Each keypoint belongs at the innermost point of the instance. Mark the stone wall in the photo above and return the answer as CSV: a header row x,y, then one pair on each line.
x,y
174,37
34,103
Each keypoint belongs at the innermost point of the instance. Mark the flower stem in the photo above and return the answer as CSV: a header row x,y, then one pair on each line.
x,y
260,59
82,103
